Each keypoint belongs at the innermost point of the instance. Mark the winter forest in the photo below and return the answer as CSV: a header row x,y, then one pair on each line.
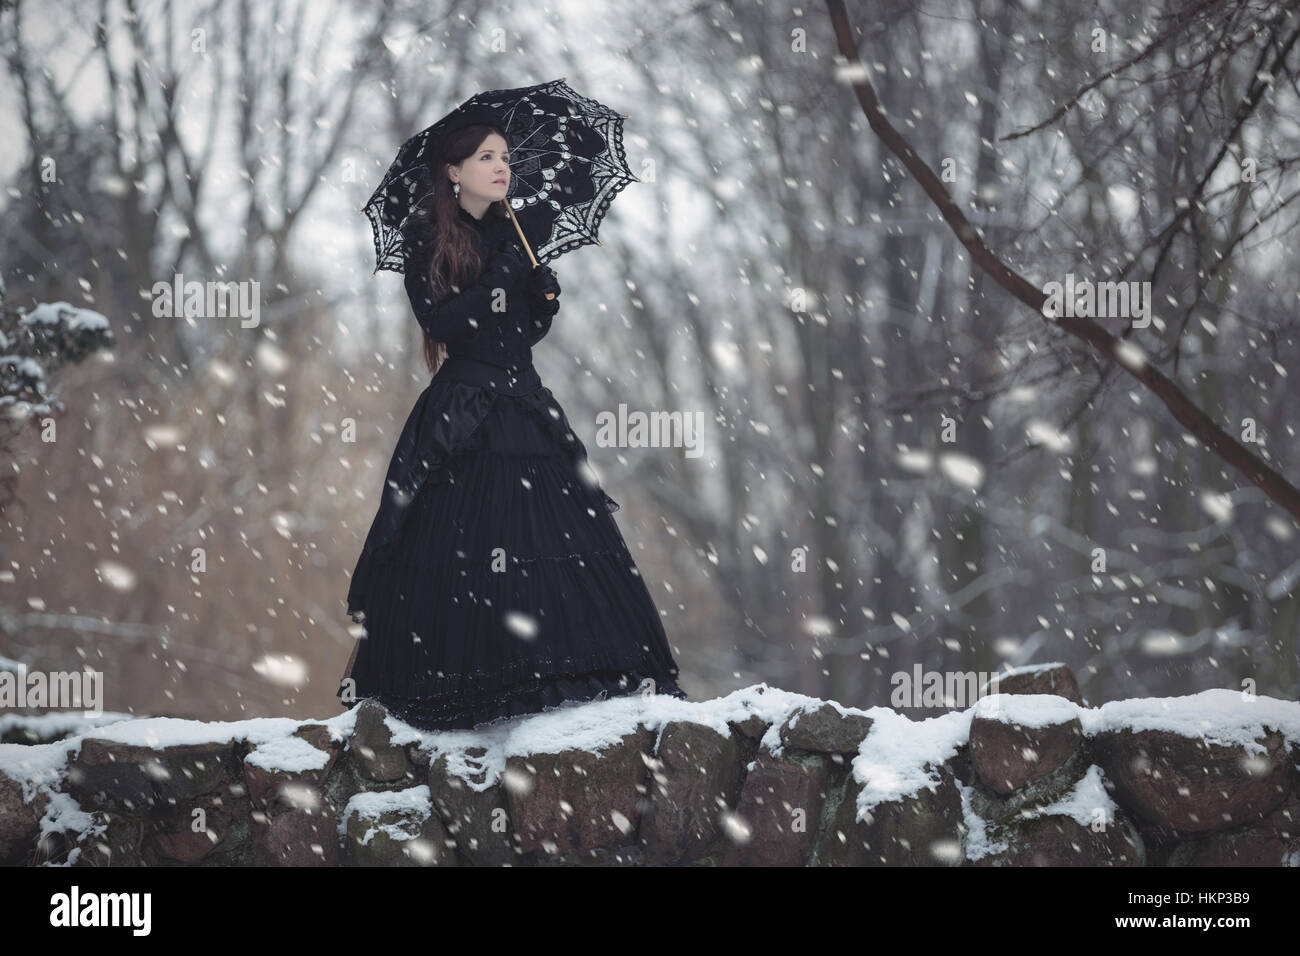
x,y
862,252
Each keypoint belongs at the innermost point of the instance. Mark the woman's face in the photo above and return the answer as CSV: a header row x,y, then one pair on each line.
x,y
485,173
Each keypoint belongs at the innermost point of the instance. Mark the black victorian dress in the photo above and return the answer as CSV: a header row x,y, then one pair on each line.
x,y
493,581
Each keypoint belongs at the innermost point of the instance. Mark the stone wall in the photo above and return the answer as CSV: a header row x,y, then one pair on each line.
x,y
761,777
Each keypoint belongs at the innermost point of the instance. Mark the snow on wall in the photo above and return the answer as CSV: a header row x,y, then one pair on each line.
x,y
898,757
371,806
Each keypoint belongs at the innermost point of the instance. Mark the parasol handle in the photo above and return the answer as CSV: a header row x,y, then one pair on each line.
x,y
527,248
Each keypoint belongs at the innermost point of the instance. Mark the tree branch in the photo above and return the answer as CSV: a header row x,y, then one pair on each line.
x,y
1123,354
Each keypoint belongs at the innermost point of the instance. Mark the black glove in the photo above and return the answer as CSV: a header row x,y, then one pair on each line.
x,y
505,265
541,281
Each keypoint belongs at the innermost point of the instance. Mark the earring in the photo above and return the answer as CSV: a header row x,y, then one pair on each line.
x,y
455,190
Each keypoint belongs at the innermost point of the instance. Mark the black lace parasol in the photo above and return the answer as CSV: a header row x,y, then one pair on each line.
x,y
566,166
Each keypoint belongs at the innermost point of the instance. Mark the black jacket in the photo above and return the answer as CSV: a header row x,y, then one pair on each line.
x,y
467,321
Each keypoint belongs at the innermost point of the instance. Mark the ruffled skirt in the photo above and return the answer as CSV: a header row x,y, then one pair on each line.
x,y
506,588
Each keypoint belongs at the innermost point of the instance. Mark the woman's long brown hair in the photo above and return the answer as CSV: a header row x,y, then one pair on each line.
x,y
454,262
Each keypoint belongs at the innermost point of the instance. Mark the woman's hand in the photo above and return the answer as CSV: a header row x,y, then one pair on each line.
x,y
542,283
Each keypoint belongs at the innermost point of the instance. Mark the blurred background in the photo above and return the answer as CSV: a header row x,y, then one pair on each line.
x,y
902,464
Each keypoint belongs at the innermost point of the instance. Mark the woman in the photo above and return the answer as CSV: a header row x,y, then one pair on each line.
x,y
493,581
